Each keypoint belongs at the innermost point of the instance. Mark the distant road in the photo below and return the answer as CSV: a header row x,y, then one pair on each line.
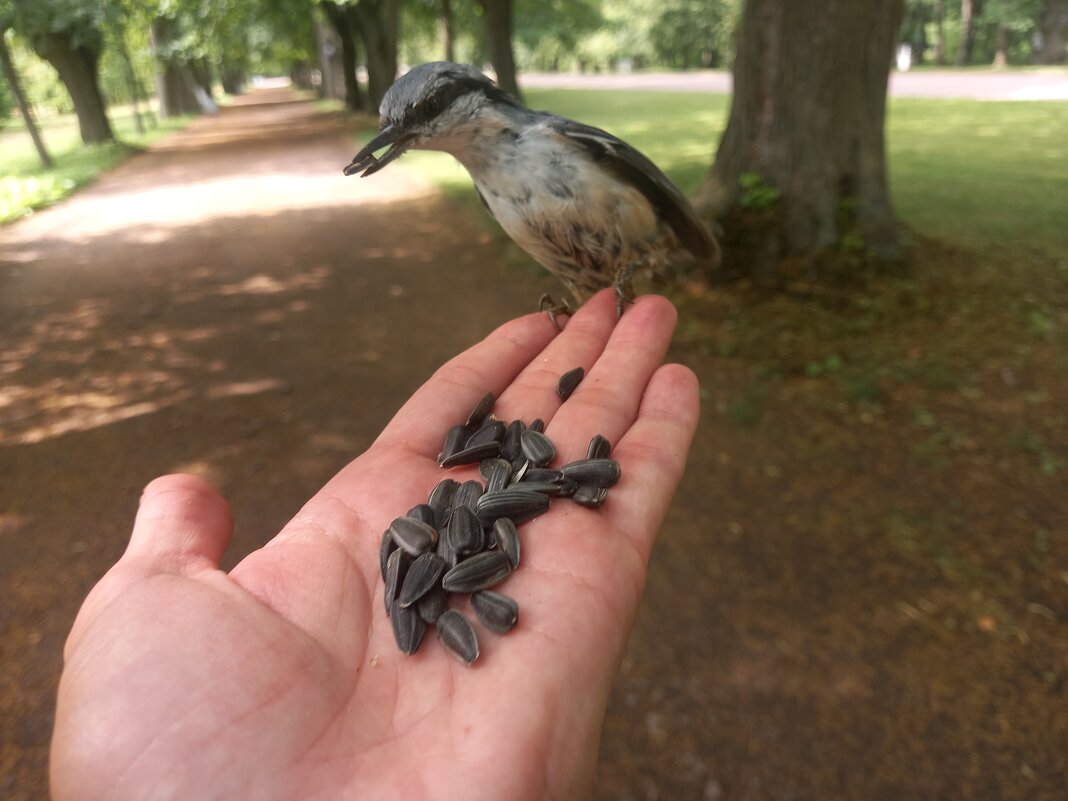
x,y
973,85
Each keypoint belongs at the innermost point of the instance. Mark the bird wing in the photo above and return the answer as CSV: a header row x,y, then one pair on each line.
x,y
484,203
637,169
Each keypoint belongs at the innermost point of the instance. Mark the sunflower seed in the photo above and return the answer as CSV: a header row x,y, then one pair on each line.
x,y
445,551
538,425
507,540
590,496
408,629
568,381
414,536
600,448
510,447
594,472
431,605
441,501
563,488
455,440
497,473
482,408
458,636
495,611
488,450
517,504
424,573
493,431
479,572
396,569
519,468
465,532
467,495
388,546
424,513
538,474
538,448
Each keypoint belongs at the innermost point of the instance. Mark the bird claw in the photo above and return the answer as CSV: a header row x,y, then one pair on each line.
x,y
552,308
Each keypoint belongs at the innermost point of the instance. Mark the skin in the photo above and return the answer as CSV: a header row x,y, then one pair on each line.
x,y
281,680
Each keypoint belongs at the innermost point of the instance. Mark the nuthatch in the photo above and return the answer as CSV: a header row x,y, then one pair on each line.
x,y
584,204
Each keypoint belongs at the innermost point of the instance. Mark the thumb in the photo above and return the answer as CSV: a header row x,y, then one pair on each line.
x,y
183,525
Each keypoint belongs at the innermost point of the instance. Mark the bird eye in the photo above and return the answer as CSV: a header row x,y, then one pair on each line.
x,y
432,107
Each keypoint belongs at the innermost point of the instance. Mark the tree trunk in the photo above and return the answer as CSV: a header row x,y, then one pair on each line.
x,y
497,16
377,22
331,66
940,23
77,68
131,81
1001,54
969,14
1053,27
12,78
807,117
174,85
447,30
341,20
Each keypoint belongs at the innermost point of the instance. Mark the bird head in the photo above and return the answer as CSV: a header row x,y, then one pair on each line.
x,y
421,109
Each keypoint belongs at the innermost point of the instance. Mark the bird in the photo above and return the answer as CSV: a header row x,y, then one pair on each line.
x,y
583,203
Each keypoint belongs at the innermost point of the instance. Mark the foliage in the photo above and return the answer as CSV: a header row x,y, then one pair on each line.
x,y
1018,17
756,193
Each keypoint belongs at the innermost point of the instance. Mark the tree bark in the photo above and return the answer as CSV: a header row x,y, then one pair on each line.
x,y
341,21
378,23
807,116
174,84
1001,54
132,85
77,68
497,16
1053,26
940,23
969,14
12,78
447,30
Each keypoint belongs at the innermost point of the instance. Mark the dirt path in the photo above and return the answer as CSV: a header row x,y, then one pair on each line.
x,y
229,304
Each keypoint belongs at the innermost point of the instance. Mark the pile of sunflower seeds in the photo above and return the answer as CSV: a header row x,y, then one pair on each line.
x,y
464,539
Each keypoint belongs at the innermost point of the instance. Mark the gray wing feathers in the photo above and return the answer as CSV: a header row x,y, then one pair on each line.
x,y
670,203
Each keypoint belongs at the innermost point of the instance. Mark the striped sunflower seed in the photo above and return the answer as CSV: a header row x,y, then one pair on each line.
x,y
492,431
455,441
507,538
590,496
414,536
482,408
593,472
496,612
564,487
488,450
497,473
424,513
537,447
431,605
517,504
423,574
538,425
600,448
510,445
445,551
458,636
539,474
388,546
441,500
396,570
479,572
465,532
467,495
408,629
568,381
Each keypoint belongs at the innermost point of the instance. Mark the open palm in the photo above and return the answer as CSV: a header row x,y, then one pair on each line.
x,y
281,679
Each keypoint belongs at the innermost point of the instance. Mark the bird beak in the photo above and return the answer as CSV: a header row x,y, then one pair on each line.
x,y
365,160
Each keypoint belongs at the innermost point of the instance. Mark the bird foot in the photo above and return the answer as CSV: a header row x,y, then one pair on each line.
x,y
552,308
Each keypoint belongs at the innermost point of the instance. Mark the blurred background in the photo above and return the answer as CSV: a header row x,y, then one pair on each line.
x,y
861,590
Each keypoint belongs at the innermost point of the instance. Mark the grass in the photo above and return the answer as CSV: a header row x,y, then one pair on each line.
x,y
26,186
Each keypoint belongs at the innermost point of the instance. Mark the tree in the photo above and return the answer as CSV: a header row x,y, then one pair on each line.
x,y
447,30
12,78
378,22
174,82
497,16
1053,33
806,123
68,35
340,20
969,14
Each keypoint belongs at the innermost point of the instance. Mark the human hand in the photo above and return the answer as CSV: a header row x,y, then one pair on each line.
x,y
281,679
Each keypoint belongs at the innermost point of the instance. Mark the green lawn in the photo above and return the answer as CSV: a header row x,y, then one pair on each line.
x,y
976,173
25,186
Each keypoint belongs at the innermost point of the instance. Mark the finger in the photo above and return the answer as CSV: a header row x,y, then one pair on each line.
x,y
450,394
653,454
533,393
606,402
183,525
